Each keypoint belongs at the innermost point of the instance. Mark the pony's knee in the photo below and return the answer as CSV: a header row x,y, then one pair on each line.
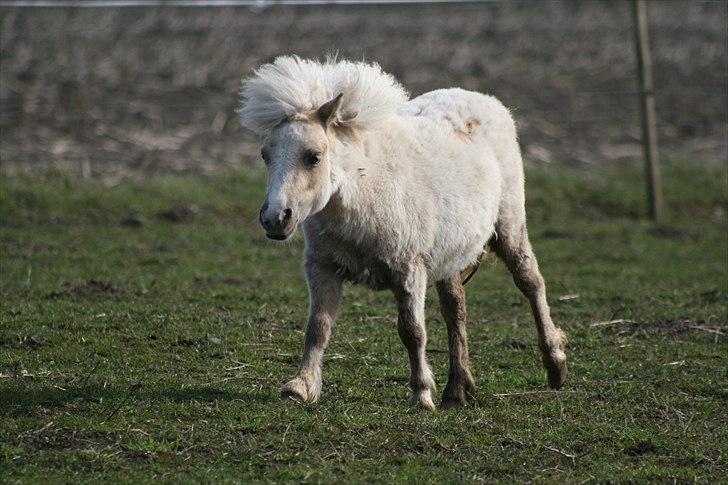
x,y
411,333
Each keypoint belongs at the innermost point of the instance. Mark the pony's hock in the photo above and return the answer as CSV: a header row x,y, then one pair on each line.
x,y
393,193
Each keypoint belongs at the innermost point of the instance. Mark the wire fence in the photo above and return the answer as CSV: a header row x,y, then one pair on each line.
x,y
103,85
216,3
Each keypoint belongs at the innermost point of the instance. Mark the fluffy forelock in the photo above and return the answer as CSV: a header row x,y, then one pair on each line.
x,y
291,87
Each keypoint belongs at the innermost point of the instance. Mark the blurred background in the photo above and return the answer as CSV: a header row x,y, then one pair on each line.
x,y
115,91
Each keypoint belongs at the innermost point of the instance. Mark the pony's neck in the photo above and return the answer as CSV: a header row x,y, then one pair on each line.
x,y
358,161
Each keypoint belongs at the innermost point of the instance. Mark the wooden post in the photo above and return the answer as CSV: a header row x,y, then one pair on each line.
x,y
647,102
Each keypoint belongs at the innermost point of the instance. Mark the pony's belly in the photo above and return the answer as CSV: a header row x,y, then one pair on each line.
x,y
453,260
461,240
365,265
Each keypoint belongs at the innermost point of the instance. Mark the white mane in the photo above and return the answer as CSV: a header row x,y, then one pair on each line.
x,y
290,87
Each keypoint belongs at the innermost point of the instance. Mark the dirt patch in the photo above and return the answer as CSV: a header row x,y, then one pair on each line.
x,y
715,331
671,233
88,289
28,342
185,342
672,327
641,448
180,213
515,344
31,342
133,220
52,438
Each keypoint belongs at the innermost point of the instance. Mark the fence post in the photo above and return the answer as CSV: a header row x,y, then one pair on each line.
x,y
647,105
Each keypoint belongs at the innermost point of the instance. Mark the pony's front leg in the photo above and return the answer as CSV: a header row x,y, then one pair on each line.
x,y
324,288
410,295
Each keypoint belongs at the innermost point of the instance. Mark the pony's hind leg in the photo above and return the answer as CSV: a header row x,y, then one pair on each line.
x,y
460,386
511,244
410,295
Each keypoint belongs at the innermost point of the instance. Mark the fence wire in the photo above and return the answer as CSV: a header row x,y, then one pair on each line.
x,y
221,3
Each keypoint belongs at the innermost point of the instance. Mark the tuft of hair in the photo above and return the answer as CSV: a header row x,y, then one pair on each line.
x,y
291,87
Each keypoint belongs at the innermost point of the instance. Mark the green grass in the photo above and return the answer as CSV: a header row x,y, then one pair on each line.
x,y
111,368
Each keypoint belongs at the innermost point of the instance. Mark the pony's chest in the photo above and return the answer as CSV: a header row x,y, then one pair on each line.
x,y
362,265
360,262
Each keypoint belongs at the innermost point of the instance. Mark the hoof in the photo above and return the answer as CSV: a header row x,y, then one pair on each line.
x,y
423,399
458,395
555,364
297,390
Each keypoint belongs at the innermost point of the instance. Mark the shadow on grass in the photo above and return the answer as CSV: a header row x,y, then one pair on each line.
x,y
18,399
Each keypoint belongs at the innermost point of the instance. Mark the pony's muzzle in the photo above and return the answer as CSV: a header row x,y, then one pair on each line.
x,y
277,223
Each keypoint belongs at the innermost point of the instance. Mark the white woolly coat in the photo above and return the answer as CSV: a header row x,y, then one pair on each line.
x,y
414,181
424,184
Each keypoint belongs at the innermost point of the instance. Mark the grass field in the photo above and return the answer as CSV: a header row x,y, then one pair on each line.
x,y
146,329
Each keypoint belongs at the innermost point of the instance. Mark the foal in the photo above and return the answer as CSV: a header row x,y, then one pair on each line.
x,y
393,193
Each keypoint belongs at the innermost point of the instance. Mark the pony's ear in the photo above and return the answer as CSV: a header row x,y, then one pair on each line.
x,y
328,111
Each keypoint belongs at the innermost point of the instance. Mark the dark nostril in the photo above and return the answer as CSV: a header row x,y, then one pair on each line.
x,y
286,215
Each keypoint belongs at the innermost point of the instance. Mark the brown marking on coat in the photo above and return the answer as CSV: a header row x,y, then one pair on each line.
x,y
466,134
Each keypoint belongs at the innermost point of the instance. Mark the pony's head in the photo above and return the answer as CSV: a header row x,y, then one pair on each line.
x,y
295,105
297,154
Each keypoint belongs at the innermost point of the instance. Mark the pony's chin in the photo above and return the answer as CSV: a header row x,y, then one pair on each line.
x,y
281,236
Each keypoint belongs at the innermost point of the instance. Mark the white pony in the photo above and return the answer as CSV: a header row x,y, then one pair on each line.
x,y
393,193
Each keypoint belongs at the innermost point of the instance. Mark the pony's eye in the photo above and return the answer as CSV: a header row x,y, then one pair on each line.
x,y
312,158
